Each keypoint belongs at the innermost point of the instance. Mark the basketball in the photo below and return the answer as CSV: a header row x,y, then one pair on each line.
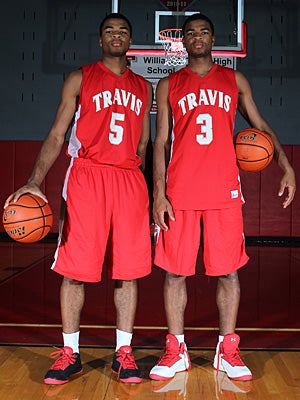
x,y
27,220
254,149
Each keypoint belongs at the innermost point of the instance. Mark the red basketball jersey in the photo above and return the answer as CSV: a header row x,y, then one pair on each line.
x,y
202,173
108,121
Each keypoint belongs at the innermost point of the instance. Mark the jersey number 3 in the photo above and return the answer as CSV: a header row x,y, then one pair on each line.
x,y
206,135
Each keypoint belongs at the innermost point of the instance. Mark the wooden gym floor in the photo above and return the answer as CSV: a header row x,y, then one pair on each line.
x,y
276,377
30,326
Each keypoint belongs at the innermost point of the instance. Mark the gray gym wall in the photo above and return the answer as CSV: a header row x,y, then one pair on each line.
x,y
43,40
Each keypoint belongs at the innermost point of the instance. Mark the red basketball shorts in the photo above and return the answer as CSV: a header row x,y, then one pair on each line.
x,y
106,218
223,242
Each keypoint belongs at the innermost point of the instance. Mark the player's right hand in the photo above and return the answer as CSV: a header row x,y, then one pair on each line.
x,y
28,188
162,209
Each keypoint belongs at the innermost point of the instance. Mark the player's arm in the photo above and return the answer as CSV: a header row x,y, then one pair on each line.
x,y
250,112
161,146
55,139
142,146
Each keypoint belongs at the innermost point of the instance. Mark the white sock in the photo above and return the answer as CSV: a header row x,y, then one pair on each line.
x,y
123,338
72,340
221,338
180,338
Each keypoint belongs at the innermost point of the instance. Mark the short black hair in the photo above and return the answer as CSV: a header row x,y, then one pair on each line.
x,y
116,16
196,16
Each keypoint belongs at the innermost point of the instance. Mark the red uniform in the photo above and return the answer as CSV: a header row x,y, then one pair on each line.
x,y
108,122
202,176
107,212
202,173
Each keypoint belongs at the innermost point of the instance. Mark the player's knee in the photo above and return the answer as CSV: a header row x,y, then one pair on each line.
x,y
69,281
119,283
231,280
174,279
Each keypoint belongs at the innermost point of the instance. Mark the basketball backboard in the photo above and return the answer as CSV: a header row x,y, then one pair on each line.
x,y
147,55
148,20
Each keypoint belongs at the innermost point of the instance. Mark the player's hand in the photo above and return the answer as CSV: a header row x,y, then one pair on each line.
x,y
288,182
28,188
162,209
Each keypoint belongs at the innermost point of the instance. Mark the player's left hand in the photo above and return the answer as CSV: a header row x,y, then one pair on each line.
x,y
162,210
288,182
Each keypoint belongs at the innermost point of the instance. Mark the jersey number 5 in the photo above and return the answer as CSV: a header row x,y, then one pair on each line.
x,y
206,135
116,131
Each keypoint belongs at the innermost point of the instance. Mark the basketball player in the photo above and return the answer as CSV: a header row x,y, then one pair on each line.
x,y
202,196
107,148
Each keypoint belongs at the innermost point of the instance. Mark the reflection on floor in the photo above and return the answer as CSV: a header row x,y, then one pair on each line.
x,y
275,376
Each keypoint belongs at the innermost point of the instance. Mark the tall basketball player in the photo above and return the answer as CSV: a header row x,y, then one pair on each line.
x,y
202,195
105,193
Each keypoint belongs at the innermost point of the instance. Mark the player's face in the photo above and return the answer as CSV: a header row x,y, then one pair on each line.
x,y
198,38
115,37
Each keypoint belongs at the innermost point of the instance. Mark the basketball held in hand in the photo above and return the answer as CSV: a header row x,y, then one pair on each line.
x,y
254,149
27,220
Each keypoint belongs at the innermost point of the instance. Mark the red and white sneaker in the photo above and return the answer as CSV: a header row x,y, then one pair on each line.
x,y
175,359
227,359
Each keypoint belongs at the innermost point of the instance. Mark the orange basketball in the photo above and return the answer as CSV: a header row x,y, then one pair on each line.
x,y
254,149
27,220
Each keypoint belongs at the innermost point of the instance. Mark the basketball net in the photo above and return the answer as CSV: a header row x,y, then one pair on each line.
x,y
174,50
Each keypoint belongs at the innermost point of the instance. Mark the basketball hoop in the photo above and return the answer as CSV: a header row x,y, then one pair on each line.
x,y
174,51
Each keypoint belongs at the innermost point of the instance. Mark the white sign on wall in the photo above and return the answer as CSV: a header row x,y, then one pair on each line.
x,y
153,68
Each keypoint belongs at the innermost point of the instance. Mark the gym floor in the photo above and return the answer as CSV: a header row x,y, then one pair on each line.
x,y
268,324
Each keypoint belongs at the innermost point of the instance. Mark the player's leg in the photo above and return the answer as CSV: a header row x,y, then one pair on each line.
x,y
176,251
228,298
175,300
223,231
175,358
125,298
71,302
79,257
68,361
227,356
128,258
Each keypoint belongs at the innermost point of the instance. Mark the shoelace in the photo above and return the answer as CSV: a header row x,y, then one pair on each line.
x,y
127,361
64,359
234,358
170,354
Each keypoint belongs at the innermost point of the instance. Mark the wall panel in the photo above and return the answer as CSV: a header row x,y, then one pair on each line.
x,y
263,212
